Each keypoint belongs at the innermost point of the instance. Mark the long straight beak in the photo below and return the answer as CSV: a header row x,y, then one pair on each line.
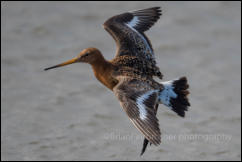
x,y
74,60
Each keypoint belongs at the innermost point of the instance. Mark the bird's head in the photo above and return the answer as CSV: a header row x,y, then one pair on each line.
x,y
88,55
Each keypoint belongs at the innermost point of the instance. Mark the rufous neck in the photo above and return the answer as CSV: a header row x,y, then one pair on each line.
x,y
100,64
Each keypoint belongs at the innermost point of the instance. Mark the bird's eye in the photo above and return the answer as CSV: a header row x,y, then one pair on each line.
x,y
86,54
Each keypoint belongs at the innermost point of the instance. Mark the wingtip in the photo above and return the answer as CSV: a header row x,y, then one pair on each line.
x,y
145,143
142,152
157,8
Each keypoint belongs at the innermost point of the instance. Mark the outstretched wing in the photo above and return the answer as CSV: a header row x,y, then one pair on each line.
x,y
138,100
128,29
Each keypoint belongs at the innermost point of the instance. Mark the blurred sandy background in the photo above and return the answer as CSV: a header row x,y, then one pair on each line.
x,y
65,114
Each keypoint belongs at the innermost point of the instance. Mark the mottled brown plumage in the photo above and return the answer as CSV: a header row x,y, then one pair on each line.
x,y
130,74
132,65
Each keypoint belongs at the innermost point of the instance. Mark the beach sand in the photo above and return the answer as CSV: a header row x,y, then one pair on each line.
x,y
66,114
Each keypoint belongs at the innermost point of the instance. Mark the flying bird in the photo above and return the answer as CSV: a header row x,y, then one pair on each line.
x,y
130,74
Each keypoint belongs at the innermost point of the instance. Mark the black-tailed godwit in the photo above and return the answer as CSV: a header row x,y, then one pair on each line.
x,y
130,74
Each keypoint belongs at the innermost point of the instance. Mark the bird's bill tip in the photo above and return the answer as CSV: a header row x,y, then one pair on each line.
x,y
74,60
